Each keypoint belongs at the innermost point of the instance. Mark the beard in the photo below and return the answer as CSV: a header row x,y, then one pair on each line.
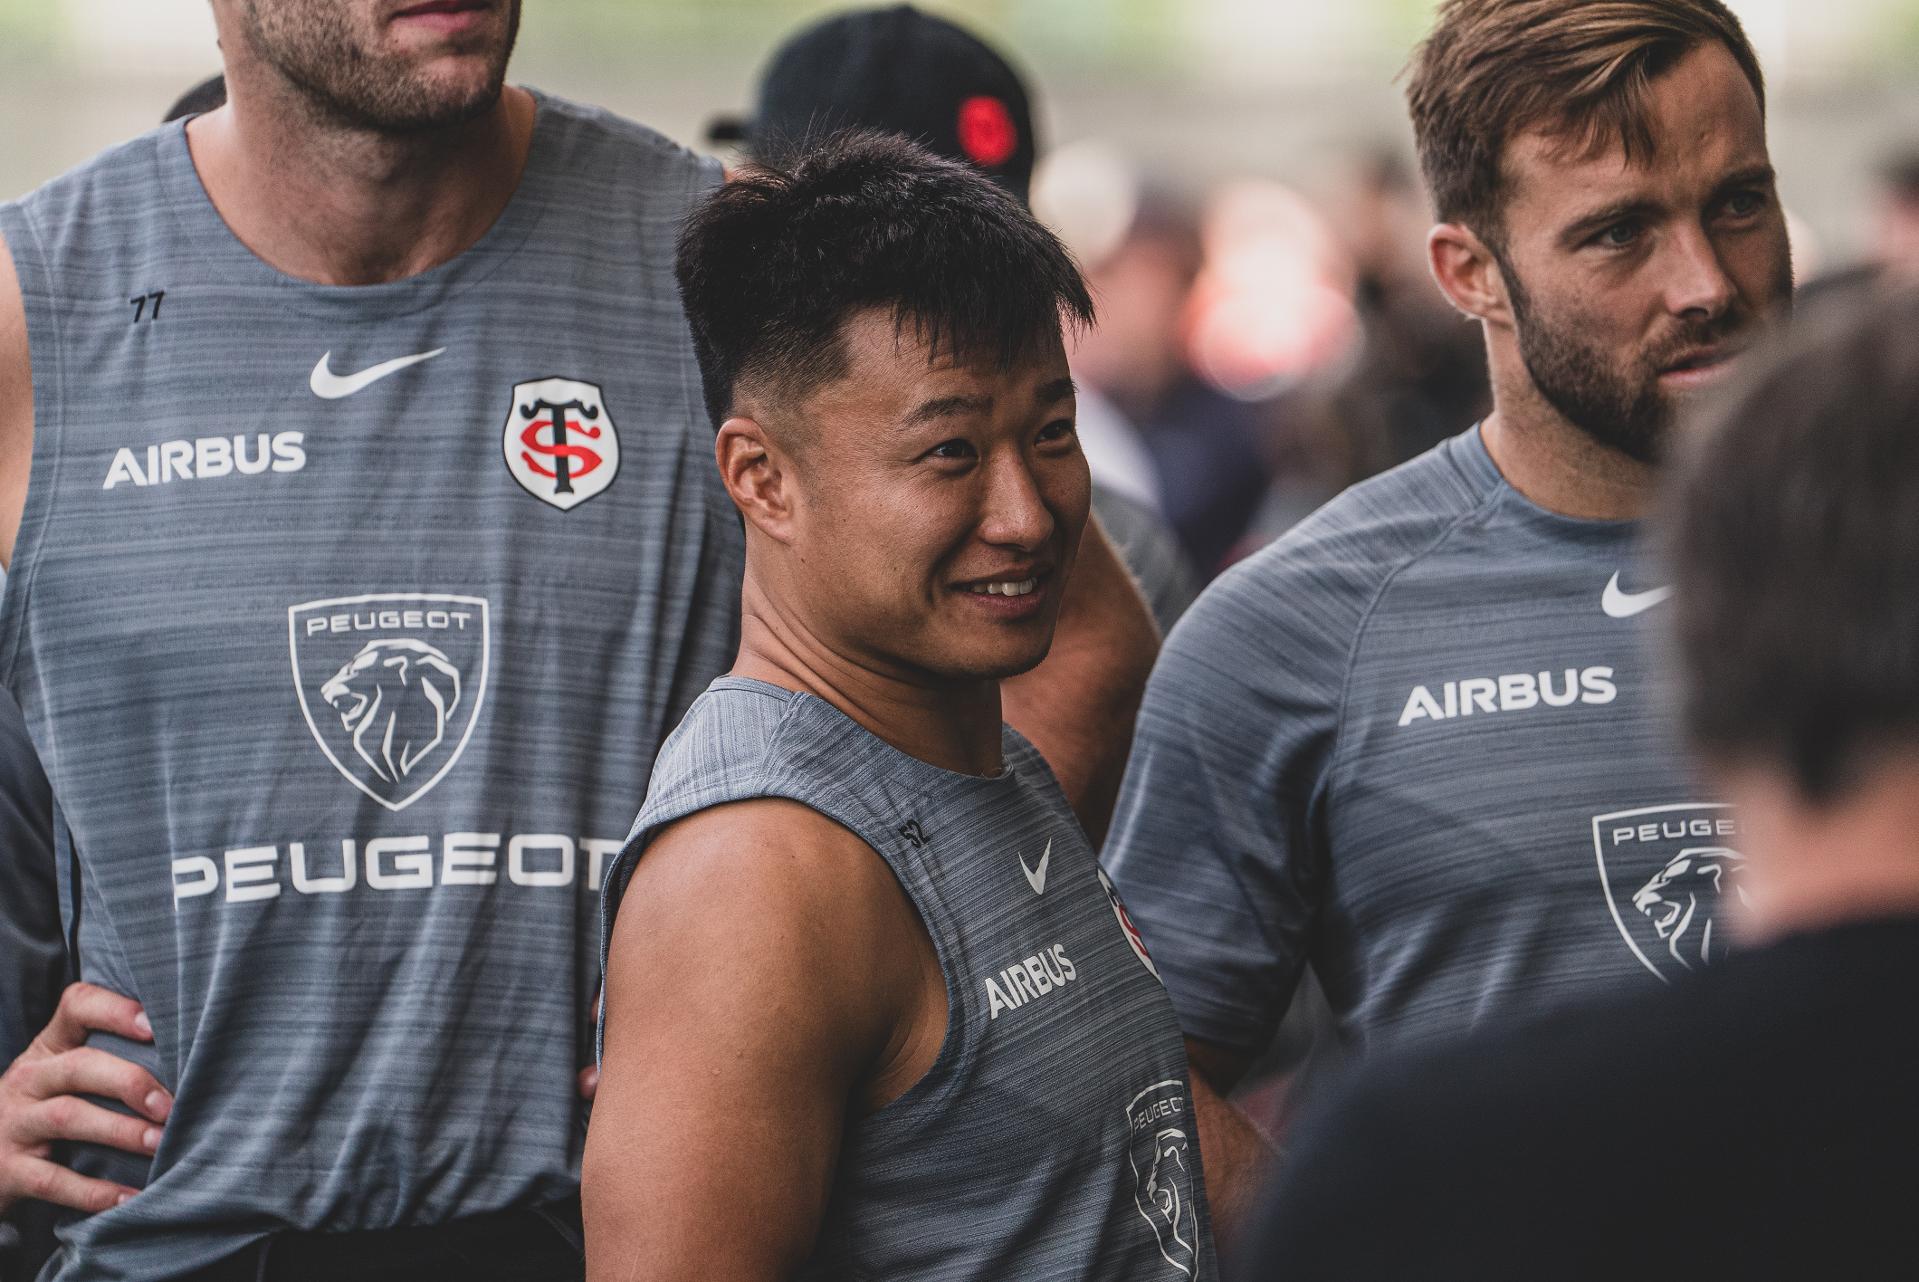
x,y
1620,406
346,81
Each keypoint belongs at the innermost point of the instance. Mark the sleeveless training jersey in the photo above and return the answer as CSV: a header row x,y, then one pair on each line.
x,y
1053,1137
1423,741
347,622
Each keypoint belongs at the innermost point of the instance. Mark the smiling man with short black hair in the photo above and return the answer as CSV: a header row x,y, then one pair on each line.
x,y
872,1010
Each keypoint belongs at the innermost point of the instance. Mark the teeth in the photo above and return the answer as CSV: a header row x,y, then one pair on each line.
x,y
1006,588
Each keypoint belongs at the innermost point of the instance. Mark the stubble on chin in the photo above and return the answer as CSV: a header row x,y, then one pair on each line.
x,y
343,81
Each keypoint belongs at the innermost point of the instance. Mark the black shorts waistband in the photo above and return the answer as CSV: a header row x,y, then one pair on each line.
x,y
542,1243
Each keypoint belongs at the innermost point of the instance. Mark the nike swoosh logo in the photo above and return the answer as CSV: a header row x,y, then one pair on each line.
x,y
1036,877
330,386
1620,604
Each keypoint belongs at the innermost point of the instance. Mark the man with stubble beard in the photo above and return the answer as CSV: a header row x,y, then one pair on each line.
x,y
1418,741
372,548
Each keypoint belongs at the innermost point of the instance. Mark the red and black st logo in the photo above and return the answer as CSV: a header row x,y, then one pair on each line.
x,y
560,442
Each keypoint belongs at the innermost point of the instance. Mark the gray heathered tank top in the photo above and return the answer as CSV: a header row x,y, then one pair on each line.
x,y
347,622
1053,1137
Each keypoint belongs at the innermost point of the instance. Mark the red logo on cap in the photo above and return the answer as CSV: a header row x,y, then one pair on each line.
x,y
986,131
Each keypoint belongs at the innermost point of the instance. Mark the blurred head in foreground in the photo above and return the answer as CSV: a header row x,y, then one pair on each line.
x,y
880,331
1793,524
1606,203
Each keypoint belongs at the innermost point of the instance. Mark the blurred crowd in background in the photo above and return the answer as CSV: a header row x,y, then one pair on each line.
x,y
1255,238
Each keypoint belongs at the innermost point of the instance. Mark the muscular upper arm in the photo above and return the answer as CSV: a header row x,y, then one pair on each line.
x,y
16,405
761,979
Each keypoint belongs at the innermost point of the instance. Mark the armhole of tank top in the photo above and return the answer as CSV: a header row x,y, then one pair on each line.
x,y
47,359
952,1065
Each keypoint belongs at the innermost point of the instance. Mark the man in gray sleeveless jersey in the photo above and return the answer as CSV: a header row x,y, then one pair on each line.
x,y
372,548
872,1010
1420,740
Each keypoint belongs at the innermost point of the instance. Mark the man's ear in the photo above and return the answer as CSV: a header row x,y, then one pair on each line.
x,y
1468,273
757,475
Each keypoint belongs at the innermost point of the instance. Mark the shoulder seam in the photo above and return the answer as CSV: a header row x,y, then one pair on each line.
x,y
1391,577
615,123
760,774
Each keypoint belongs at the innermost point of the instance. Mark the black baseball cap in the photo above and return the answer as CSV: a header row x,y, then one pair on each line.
x,y
900,70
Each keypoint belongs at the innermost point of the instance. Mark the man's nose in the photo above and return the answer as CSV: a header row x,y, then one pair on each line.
x,y
1015,514
1697,283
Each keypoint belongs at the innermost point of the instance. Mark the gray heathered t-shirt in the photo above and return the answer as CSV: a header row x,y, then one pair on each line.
x,y
347,622
1053,1137
1419,740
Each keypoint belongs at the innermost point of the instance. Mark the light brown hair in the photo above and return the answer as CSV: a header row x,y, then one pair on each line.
x,y
1580,69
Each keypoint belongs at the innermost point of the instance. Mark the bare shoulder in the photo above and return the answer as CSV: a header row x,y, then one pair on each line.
x,y
754,998
774,855
798,906
16,404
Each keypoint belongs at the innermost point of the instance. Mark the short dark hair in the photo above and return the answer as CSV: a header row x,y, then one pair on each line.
x,y
773,264
1792,525
1493,69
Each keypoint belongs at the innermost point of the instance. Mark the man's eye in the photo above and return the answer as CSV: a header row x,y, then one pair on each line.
x,y
953,449
1745,204
1618,236
1059,430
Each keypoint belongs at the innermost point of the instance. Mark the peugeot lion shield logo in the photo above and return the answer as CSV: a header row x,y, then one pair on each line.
x,y
1165,1147
1669,872
391,685
560,442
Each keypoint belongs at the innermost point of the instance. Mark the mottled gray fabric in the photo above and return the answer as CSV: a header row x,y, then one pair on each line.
x,y
1053,1137
347,622
1151,551
1410,741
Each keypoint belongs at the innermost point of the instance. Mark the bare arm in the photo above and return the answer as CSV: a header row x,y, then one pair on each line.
x,y
16,405
1236,1157
762,986
1078,706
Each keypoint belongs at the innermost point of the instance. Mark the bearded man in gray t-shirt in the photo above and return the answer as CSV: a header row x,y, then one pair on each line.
x,y
1419,741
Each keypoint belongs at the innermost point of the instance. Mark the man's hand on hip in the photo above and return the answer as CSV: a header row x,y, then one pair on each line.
x,y
41,1104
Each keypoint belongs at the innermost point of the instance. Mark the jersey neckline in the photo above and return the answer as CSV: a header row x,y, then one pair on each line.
x,y
1011,742
223,250
1475,462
